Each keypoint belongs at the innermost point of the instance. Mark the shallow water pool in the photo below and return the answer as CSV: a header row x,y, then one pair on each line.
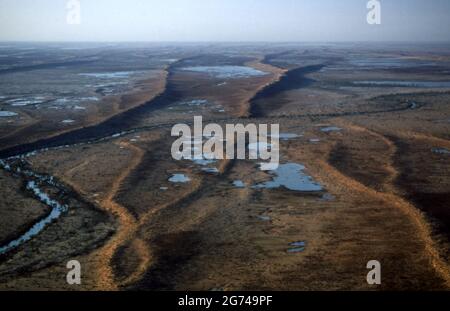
x,y
227,72
291,177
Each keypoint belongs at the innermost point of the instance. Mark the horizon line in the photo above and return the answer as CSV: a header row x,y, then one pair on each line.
x,y
218,42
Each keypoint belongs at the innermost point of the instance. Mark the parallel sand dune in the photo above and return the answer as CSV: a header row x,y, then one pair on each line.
x,y
385,189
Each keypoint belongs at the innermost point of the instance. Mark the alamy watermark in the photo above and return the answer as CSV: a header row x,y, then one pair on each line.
x,y
374,14
374,275
73,277
236,141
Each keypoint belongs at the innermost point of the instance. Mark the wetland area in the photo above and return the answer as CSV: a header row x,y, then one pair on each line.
x,y
86,170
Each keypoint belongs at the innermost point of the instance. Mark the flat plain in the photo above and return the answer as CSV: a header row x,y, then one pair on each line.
x,y
87,171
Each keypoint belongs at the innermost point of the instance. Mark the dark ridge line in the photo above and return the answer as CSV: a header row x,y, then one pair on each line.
x,y
114,125
90,134
230,60
269,57
46,66
440,225
356,113
40,144
119,123
291,80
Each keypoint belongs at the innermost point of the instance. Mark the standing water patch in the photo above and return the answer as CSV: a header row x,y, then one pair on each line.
x,y
297,247
179,178
238,184
331,129
227,72
441,151
7,114
291,177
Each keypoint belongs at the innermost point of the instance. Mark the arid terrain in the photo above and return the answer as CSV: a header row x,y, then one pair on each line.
x,y
87,172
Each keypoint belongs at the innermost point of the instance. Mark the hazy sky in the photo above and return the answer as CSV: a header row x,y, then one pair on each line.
x,y
224,20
